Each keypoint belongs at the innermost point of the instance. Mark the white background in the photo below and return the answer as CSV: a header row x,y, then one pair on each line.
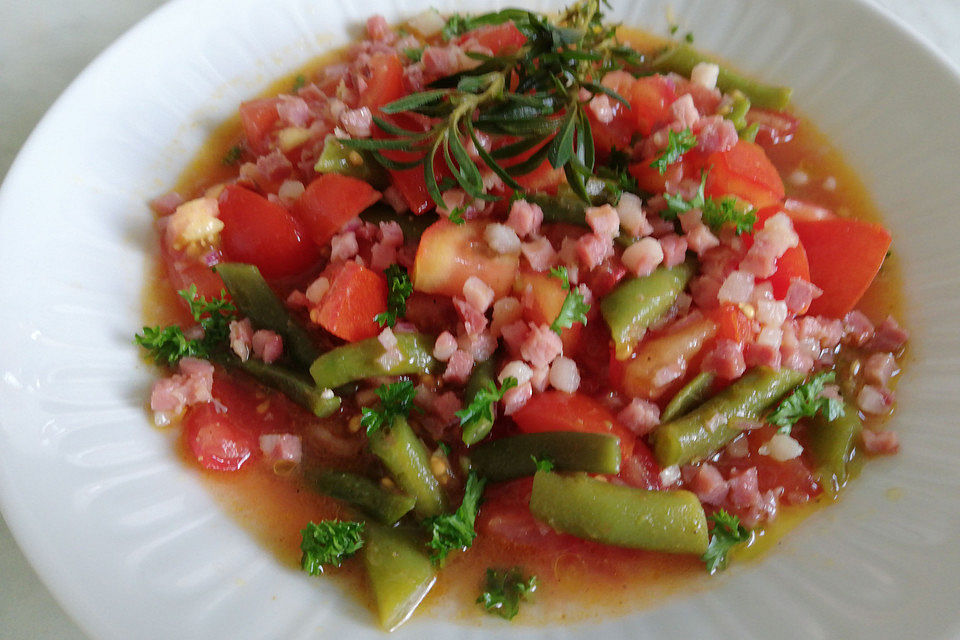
x,y
44,44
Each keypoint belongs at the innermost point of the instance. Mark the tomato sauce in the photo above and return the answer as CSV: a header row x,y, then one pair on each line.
x,y
577,580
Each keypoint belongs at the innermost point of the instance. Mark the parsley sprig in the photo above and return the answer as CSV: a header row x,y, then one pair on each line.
x,y
503,591
481,406
396,400
573,309
532,95
399,288
168,345
456,530
805,402
716,213
329,542
677,145
726,534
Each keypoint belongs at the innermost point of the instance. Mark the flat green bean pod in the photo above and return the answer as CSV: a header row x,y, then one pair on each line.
x,y
359,360
400,573
513,457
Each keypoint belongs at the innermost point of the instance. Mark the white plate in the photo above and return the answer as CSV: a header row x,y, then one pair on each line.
x,y
129,541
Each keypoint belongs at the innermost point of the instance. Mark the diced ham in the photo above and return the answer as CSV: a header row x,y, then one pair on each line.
x,y
379,29
705,74
387,339
297,300
593,249
540,378
715,134
875,400
515,334
516,369
602,108
444,347
761,355
700,239
800,294
643,256
501,238
564,375
827,332
709,485
192,385
880,442
293,111
744,488
640,416
771,313
857,328
769,244
167,203
690,220
539,253
382,256
879,368
725,359
781,447
459,367
524,218
480,345
684,112
281,447
445,406
391,234
241,338
632,217
541,346
604,221
674,249
736,288
343,246
515,397
267,345
478,294
473,321
505,311
889,336
317,289
357,122
770,337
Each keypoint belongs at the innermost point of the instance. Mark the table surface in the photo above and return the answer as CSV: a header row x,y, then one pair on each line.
x,y
44,44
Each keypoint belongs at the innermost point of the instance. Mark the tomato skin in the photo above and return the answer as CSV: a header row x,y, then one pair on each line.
x,y
385,81
257,118
650,99
449,254
499,38
792,264
773,127
216,439
844,256
356,295
262,233
745,172
559,411
329,202
678,348
546,296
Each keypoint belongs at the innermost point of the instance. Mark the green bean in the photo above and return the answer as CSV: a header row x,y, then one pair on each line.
x,y
412,226
359,360
513,457
383,504
683,58
670,521
714,423
831,444
256,300
406,459
336,158
568,210
638,302
400,573
738,111
692,394
295,386
482,374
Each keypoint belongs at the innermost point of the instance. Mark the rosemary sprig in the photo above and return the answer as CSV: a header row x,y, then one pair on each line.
x,y
534,101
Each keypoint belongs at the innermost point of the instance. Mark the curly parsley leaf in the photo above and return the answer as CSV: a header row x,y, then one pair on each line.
x,y
399,288
727,533
677,145
543,464
805,402
396,400
481,406
232,156
329,542
456,530
503,591
574,309
299,82
413,55
168,345
715,213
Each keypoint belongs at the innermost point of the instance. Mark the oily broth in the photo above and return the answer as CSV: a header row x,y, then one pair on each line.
x,y
273,509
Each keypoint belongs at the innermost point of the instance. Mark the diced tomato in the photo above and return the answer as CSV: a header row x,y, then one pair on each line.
x,y
216,439
651,180
449,254
650,99
844,257
640,469
262,233
411,183
544,178
796,478
792,264
605,276
617,133
499,38
773,127
745,172
257,118
543,296
182,269
384,81
330,201
642,375
505,516
355,297
559,411
731,323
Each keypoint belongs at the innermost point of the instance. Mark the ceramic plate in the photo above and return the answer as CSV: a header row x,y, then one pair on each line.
x,y
128,540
